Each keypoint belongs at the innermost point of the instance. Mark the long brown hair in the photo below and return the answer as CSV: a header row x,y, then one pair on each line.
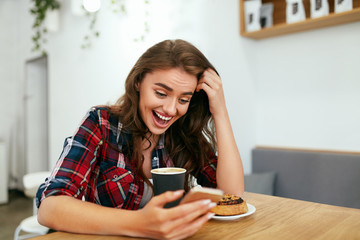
x,y
189,141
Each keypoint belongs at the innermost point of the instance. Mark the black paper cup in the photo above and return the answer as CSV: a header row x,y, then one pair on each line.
x,y
168,179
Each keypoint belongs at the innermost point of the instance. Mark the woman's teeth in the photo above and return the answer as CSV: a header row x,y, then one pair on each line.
x,y
162,117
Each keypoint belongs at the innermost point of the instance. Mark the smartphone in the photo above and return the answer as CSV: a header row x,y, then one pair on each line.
x,y
203,193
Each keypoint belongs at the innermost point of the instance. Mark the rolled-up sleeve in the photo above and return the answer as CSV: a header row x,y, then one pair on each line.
x,y
72,173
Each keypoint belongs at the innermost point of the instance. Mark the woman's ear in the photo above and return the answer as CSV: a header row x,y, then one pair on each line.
x,y
137,86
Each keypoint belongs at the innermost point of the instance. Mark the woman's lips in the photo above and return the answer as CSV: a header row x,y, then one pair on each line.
x,y
161,120
162,116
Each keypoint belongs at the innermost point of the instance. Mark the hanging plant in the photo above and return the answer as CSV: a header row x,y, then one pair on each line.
x,y
146,25
92,31
39,10
117,7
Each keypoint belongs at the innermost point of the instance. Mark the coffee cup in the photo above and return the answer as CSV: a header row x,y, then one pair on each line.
x,y
168,179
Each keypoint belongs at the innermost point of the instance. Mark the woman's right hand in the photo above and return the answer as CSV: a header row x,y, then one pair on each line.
x,y
65,213
178,222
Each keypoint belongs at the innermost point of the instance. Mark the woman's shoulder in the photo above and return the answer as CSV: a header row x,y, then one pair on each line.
x,y
95,113
104,110
100,108
106,118
103,114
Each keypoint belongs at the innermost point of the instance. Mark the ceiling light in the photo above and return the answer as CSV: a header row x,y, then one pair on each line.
x,y
91,5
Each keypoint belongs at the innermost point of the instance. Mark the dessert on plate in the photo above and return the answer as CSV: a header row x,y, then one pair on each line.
x,y
230,205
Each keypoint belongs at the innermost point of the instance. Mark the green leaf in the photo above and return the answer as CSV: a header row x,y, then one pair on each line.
x,y
39,10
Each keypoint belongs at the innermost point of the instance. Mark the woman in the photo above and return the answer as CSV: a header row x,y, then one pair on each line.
x,y
172,109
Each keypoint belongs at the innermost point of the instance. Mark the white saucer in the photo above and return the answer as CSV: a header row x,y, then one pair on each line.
x,y
251,210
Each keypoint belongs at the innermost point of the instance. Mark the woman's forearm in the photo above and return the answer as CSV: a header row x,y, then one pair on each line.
x,y
229,173
65,213
68,214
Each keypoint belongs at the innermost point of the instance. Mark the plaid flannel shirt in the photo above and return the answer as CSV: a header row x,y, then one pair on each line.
x,y
90,167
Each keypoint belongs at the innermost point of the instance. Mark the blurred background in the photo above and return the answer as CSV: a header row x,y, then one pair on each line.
x,y
297,90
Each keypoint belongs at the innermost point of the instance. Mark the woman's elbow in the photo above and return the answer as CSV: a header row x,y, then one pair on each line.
x,y
41,219
44,213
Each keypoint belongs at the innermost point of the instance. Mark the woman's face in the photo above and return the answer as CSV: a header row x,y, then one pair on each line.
x,y
164,97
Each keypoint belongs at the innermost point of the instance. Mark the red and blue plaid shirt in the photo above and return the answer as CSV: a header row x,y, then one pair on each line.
x,y
90,167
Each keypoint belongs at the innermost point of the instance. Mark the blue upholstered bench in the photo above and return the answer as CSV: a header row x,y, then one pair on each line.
x,y
317,176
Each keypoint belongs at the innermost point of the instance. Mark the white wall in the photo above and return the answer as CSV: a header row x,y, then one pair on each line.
x,y
309,89
297,90
11,69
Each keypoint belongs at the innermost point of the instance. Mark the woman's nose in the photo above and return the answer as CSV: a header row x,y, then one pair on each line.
x,y
170,107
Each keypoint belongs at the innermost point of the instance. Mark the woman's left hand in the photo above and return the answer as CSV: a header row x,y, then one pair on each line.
x,y
211,83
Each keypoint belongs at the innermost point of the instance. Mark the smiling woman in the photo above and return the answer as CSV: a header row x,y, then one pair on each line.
x,y
172,107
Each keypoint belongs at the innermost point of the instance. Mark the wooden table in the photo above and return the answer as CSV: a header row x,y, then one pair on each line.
x,y
275,218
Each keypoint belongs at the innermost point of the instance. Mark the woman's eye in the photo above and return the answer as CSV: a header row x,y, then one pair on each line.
x,y
183,101
160,94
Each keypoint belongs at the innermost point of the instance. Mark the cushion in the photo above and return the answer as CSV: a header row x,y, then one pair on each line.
x,y
260,183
